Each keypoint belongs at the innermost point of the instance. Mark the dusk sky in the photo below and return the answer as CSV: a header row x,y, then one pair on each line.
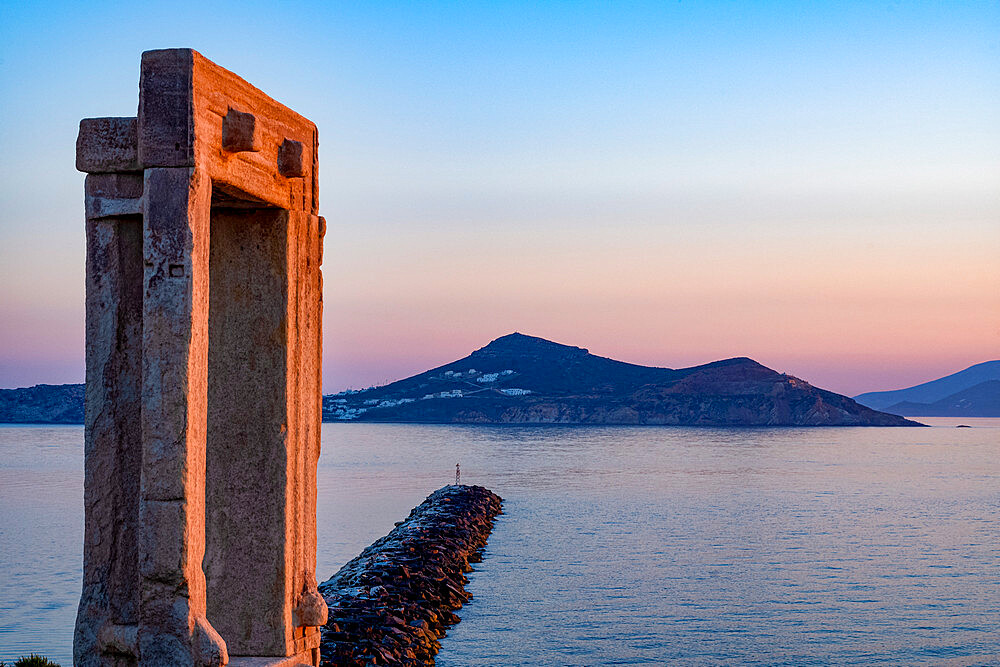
x,y
813,185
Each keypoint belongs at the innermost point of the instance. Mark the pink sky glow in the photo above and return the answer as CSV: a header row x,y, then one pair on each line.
x,y
815,186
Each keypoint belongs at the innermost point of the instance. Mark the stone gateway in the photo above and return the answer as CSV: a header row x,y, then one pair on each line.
x,y
204,303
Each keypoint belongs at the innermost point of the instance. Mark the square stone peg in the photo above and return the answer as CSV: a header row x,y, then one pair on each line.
x,y
239,132
290,159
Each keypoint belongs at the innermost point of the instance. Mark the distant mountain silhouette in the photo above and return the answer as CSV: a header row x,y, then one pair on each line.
x,y
42,404
935,390
519,379
981,400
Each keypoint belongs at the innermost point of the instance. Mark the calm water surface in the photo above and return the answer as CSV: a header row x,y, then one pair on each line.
x,y
622,545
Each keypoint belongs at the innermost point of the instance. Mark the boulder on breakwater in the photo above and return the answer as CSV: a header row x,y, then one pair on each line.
x,y
391,604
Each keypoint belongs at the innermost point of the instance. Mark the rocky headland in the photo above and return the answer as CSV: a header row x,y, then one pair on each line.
x,y
392,604
519,379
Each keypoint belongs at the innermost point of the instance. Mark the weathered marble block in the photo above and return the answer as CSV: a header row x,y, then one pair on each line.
x,y
204,304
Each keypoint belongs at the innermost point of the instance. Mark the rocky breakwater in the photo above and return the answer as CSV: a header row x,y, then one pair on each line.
x,y
391,604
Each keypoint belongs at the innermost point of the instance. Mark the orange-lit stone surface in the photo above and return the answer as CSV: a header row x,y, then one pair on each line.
x,y
203,375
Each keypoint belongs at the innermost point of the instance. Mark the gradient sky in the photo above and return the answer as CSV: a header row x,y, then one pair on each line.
x,y
814,185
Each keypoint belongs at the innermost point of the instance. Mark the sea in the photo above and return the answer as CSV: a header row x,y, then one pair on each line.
x,y
621,545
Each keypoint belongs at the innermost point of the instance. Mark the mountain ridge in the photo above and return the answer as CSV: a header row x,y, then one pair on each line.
x,y
933,390
521,379
979,400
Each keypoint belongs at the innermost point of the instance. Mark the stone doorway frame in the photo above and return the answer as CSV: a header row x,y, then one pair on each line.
x,y
203,405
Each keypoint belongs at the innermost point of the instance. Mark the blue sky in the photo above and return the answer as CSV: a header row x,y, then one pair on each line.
x,y
815,185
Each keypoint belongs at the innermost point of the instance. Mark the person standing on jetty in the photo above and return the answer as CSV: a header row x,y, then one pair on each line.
x,y
458,474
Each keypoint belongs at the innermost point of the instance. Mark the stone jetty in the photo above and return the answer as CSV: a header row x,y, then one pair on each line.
x,y
391,604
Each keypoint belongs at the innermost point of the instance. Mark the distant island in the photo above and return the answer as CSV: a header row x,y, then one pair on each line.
x,y
972,392
42,404
520,379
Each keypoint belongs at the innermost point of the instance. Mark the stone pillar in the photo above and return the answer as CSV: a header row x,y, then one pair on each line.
x,y
176,214
203,355
113,440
